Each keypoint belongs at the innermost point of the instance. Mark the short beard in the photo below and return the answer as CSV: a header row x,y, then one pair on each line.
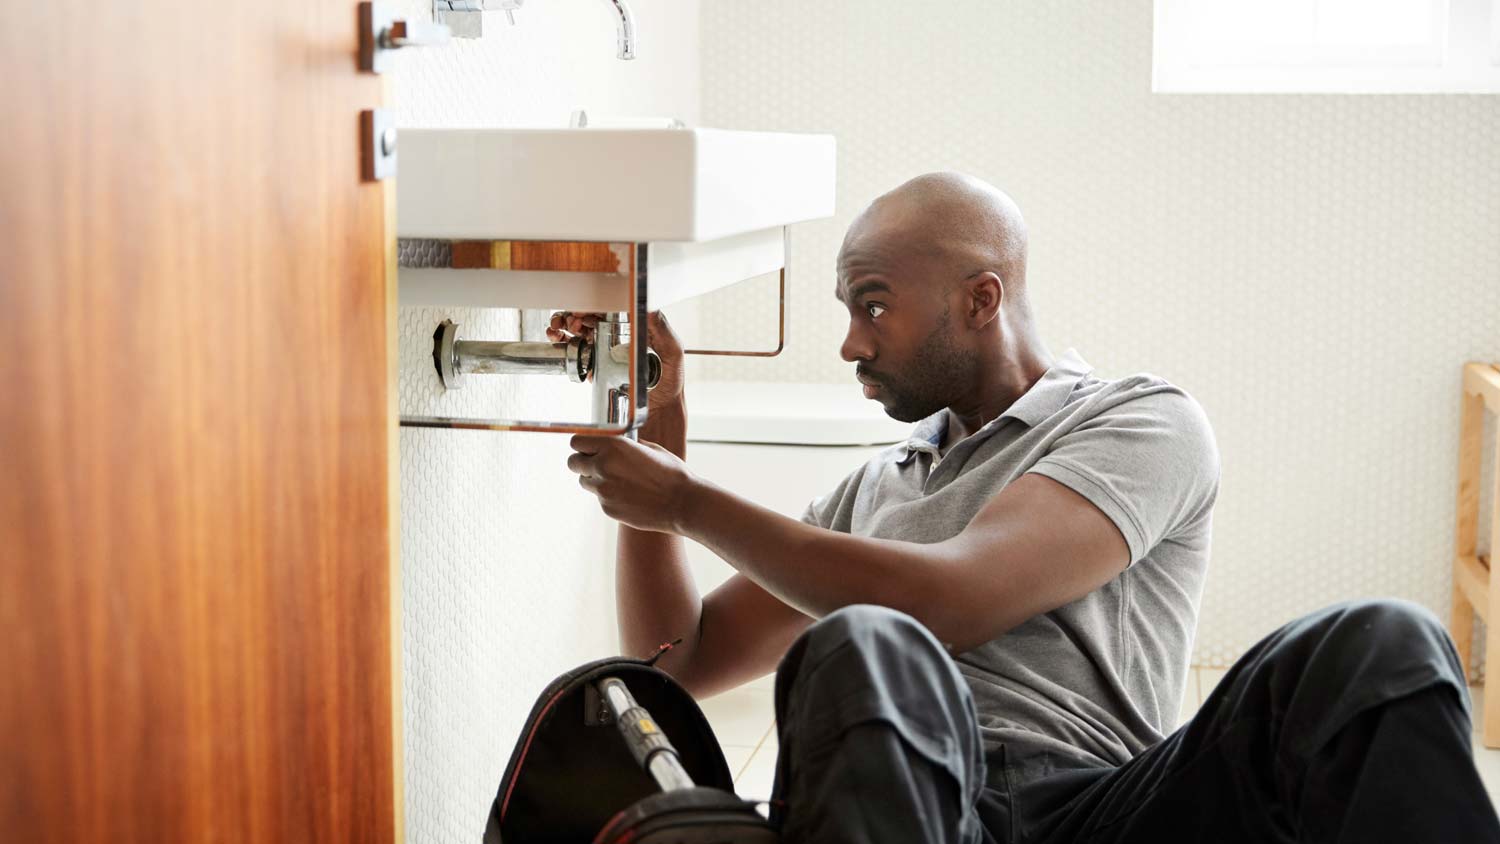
x,y
939,372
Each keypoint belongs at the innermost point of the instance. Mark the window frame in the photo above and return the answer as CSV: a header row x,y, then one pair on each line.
x,y
1466,59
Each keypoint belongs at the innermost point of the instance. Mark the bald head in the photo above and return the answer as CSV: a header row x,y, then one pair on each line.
x,y
961,224
933,275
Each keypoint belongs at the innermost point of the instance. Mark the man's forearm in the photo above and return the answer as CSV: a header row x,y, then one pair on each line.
x,y
655,596
813,570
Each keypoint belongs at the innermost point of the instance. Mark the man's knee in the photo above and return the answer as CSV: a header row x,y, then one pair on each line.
x,y
860,623
1387,628
865,634
869,665
1360,648
861,645
1391,612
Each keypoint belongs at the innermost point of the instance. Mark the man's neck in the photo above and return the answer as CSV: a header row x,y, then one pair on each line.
x,y
1001,384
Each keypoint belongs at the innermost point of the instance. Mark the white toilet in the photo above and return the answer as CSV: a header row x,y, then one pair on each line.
x,y
779,445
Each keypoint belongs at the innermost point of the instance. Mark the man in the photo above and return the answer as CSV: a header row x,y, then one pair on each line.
x,y
983,633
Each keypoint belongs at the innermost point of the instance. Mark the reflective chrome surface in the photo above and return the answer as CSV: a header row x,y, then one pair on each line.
x,y
619,396
457,359
515,357
380,32
663,763
625,29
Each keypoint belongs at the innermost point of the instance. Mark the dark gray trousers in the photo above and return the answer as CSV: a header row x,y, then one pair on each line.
x,y
1347,725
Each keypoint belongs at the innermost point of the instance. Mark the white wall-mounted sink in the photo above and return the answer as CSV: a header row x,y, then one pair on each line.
x,y
609,220
627,185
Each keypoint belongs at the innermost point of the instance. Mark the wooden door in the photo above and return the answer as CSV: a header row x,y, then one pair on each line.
x,y
196,429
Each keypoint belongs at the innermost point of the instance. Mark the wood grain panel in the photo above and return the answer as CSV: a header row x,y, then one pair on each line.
x,y
195,517
566,255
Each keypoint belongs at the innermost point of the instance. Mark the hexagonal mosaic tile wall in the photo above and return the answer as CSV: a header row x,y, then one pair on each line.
x,y
1314,269
504,583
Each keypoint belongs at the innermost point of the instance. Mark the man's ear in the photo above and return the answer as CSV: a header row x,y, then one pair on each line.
x,y
986,295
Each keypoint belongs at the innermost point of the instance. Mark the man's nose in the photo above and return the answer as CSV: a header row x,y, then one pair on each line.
x,y
855,347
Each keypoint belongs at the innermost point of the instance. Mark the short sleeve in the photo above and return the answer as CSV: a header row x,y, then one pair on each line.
x,y
1147,459
811,514
834,509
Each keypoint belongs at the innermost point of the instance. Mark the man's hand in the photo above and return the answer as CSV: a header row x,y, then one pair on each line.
x,y
638,484
660,337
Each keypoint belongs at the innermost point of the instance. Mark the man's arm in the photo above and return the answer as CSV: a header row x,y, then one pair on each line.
x,y
736,633
1102,497
1035,546
655,596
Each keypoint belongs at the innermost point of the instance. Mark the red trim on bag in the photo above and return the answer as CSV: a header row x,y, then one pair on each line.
x,y
618,816
521,760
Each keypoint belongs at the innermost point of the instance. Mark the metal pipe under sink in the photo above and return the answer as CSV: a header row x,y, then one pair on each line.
x,y
578,359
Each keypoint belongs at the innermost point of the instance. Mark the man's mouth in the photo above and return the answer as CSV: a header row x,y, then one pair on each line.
x,y
872,386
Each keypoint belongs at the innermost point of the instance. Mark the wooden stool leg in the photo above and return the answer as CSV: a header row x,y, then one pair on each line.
x,y
1481,391
1470,430
1492,616
1491,714
1461,628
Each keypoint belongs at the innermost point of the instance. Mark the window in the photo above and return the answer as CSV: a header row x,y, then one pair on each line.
x,y
1326,46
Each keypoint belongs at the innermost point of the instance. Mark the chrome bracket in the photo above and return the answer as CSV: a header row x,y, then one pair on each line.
x,y
380,32
619,398
629,368
781,309
466,17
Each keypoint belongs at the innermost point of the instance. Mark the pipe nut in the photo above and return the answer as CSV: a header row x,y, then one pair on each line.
x,y
653,369
445,355
580,360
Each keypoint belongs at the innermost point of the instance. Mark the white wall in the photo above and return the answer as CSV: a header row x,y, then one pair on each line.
x,y
1314,269
505,582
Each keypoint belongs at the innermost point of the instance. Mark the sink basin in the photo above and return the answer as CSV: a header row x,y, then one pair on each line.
x,y
623,185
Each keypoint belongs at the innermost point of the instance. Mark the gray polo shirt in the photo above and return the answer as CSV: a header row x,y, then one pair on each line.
x,y
1100,679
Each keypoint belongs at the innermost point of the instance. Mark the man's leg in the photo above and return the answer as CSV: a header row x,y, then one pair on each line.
x,y
1347,725
878,737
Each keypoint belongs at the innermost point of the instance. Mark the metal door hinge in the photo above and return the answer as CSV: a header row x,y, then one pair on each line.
x,y
377,140
380,32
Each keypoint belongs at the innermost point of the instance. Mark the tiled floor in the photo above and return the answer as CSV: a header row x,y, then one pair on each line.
x,y
742,719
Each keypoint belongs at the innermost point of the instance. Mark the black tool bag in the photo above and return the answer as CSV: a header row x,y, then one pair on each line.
x,y
579,774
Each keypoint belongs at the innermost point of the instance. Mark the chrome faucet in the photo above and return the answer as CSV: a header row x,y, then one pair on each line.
x,y
466,19
625,29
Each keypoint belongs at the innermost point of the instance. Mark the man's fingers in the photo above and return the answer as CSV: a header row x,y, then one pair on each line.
x,y
580,464
584,444
562,323
589,483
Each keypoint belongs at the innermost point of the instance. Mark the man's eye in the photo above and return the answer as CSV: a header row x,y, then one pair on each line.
x,y
874,310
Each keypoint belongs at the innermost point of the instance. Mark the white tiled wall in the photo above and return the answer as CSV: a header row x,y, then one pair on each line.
x,y
505,582
1314,269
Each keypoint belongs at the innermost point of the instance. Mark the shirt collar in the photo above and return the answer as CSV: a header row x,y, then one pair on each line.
x,y
1046,397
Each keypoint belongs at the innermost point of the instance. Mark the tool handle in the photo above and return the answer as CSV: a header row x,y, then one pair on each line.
x,y
648,744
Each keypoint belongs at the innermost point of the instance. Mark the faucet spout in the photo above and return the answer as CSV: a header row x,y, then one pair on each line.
x,y
625,28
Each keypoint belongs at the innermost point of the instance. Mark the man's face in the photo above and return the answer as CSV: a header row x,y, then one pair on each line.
x,y
903,336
